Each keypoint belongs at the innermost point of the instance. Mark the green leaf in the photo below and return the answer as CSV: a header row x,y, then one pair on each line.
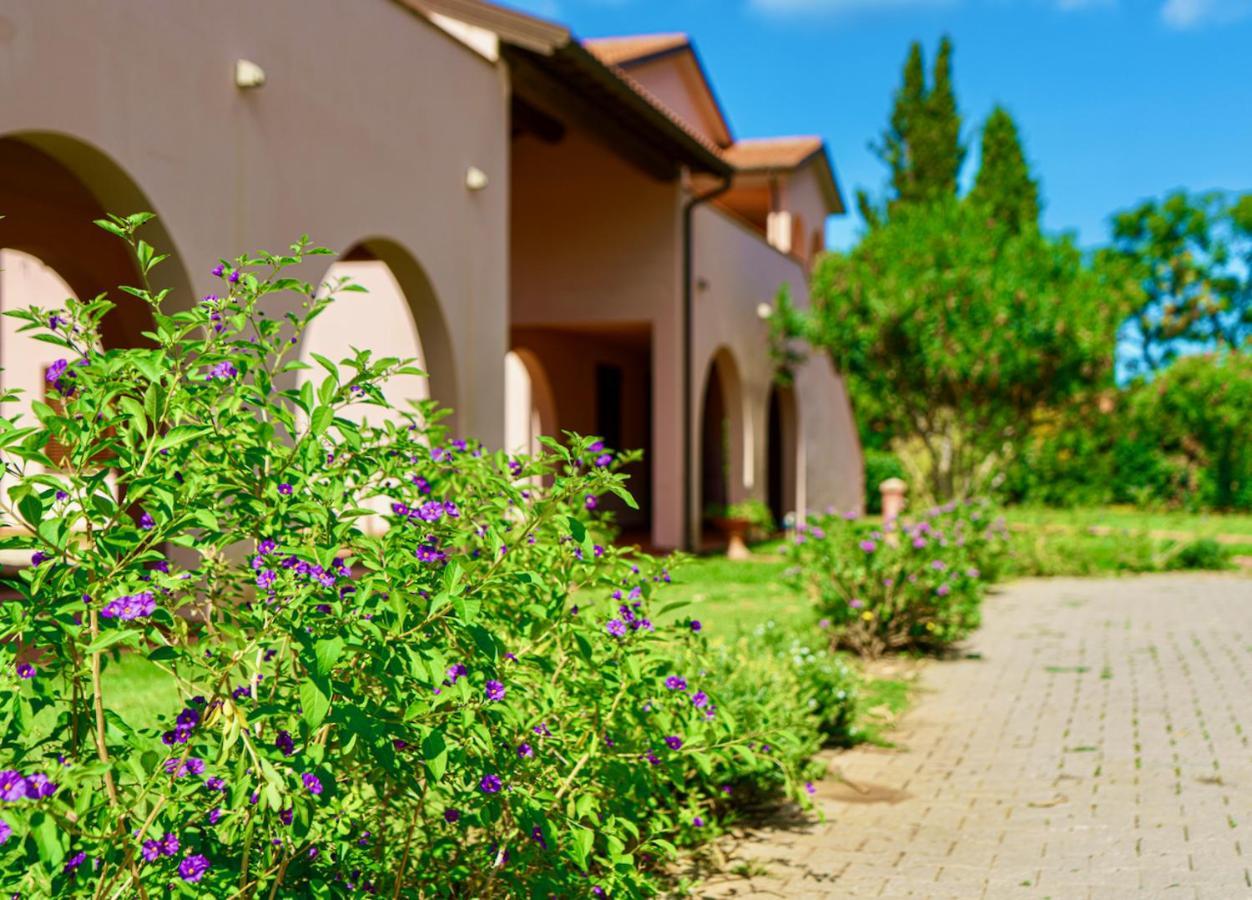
x,y
108,639
582,839
328,652
435,751
314,703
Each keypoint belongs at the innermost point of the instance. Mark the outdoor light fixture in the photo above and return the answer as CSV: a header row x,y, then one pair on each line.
x,y
248,74
475,178
764,310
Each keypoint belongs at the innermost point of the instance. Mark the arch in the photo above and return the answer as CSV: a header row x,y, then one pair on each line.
x,y
724,440
52,188
529,402
782,479
398,315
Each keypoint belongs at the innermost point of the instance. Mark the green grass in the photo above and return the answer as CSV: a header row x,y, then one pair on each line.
x,y
1125,518
135,689
881,703
729,596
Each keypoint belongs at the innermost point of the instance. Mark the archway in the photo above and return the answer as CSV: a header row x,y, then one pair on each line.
x,y
52,189
783,448
529,404
722,437
397,315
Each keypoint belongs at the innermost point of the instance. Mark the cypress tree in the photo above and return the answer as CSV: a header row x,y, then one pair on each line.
x,y
921,145
1003,185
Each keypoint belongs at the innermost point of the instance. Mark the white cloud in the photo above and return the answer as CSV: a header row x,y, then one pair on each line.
x,y
1197,13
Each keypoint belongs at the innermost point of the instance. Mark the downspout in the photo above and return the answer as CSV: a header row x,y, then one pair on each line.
x,y
690,538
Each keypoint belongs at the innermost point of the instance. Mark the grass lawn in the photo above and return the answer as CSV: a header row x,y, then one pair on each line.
x,y
728,596
1124,518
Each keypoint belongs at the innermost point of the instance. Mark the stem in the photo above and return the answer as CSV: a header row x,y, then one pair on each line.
x,y
404,859
102,750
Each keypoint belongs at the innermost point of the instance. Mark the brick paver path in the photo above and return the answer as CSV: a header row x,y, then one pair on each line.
x,y
1095,746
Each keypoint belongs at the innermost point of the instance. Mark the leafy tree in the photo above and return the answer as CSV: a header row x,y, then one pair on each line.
x,y
1191,254
922,143
1200,407
1004,187
954,336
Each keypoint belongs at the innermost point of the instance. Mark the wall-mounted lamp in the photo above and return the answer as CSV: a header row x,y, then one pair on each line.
x,y
475,178
764,310
248,74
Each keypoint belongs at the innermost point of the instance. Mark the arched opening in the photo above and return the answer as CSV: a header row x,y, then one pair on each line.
x,y
783,454
529,405
397,315
52,189
722,438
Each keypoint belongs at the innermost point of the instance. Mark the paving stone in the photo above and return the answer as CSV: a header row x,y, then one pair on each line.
x,y
1097,745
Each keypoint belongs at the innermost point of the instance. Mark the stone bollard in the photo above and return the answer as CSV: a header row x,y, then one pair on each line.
x,y
893,491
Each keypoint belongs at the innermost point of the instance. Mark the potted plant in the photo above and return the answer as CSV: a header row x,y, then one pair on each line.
x,y
740,521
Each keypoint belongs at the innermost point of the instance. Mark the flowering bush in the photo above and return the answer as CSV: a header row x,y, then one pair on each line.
x,y
907,585
474,700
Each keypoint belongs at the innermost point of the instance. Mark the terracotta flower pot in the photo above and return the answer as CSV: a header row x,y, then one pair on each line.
x,y
736,531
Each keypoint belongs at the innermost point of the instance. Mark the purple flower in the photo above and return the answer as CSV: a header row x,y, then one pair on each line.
x,y
25,670
699,699
12,786
808,786
676,683
285,744
652,758
75,861
5,831
972,573
943,590
312,783
695,625
869,546
542,730
525,751
38,787
456,671
495,690
146,522
604,459
938,565
151,851
223,371
490,784
856,603
698,822
55,371
37,557
616,627
130,607
215,816
286,816
193,867
451,815
591,502
674,742
233,278
169,844
284,489
919,543
219,270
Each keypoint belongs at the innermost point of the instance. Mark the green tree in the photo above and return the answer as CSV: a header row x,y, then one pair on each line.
x,y
1004,186
954,337
1191,254
1200,407
921,145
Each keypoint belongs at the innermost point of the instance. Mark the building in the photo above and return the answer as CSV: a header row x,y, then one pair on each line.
x,y
566,233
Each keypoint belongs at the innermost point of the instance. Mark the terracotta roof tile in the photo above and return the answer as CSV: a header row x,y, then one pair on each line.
x,y
771,153
616,51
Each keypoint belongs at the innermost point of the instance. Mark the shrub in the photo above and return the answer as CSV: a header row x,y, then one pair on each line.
x,y
472,701
909,585
879,466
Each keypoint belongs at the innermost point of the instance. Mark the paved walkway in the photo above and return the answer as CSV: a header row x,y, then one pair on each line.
x,y
1095,746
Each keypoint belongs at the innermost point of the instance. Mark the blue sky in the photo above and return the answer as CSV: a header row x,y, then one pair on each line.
x,y
1118,100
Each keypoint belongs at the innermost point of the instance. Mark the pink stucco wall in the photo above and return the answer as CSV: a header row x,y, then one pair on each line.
x,y
360,132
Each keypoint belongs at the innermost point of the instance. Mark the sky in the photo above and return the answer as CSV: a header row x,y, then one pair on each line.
x,y
1117,100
